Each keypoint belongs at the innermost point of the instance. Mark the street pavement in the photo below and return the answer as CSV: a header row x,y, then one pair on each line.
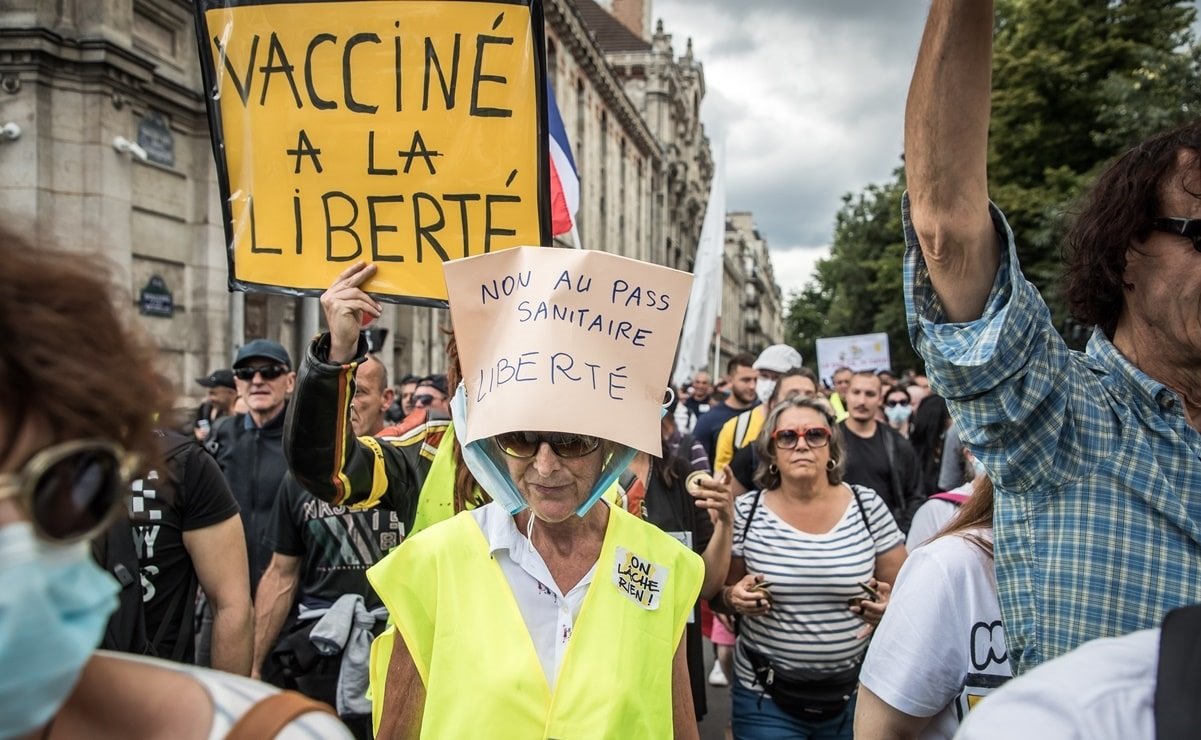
x,y
713,727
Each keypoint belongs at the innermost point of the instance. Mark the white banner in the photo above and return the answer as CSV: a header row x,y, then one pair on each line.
x,y
704,303
859,352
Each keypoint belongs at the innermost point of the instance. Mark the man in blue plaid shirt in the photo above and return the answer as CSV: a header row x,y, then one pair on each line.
x,y
1095,455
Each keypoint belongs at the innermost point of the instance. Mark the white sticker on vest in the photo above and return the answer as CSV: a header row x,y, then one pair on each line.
x,y
639,579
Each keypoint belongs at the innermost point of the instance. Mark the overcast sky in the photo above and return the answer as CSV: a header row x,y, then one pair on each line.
x,y
808,96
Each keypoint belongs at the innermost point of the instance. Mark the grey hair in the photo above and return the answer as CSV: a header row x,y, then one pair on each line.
x,y
765,447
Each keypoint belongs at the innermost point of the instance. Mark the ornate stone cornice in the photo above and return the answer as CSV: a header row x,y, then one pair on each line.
x,y
42,56
570,29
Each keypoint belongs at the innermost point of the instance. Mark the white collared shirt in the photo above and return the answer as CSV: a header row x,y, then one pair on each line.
x,y
549,615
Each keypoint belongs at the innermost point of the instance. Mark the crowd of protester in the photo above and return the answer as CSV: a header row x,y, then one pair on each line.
x,y
870,554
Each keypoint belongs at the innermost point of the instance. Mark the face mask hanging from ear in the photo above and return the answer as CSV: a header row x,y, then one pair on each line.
x,y
487,464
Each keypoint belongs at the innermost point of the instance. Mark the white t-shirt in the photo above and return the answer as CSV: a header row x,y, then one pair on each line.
x,y
1102,690
233,696
549,614
932,516
809,631
940,647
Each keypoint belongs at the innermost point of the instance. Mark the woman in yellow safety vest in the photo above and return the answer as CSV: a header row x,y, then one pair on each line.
x,y
547,623
546,613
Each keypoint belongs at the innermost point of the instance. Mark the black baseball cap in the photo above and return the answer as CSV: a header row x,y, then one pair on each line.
x,y
223,378
434,381
262,348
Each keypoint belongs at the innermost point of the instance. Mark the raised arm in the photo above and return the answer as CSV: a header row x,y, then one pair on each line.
x,y
946,152
324,455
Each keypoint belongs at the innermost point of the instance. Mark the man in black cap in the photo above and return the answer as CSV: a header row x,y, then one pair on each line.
x,y
431,393
249,447
219,397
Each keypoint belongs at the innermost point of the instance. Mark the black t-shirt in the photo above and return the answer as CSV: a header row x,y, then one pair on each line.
x,y
867,464
336,544
743,466
161,510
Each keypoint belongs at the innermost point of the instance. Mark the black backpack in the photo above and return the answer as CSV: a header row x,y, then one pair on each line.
x,y
114,550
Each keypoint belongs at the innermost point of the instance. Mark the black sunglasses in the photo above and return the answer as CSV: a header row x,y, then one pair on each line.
x,y
898,402
526,444
424,399
73,490
1189,228
269,372
788,439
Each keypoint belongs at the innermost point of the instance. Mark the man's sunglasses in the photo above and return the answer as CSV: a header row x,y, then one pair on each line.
x,y
73,490
424,399
1189,228
526,444
787,439
269,372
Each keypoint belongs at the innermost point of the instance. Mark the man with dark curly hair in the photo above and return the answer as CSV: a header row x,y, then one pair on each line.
x,y
1095,455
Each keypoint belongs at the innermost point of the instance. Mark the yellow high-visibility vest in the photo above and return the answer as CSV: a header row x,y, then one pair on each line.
x,y
436,502
736,434
460,621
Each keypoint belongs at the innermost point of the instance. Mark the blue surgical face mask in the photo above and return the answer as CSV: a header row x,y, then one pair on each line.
x,y
487,465
54,604
898,414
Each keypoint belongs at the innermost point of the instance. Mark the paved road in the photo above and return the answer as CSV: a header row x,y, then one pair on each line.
x,y
713,727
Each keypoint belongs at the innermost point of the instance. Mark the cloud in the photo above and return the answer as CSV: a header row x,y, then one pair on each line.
x,y
793,267
808,98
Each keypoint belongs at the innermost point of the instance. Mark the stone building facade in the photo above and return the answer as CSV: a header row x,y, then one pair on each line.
x,y
752,304
112,154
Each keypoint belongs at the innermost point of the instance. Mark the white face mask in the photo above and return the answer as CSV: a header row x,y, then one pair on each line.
x,y
764,389
898,414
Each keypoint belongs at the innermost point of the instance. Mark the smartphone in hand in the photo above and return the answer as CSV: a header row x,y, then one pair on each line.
x,y
872,595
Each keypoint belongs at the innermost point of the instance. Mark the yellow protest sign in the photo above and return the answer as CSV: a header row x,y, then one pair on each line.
x,y
565,340
405,133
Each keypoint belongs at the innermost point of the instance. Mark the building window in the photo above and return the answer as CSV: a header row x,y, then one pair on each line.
x,y
552,64
621,201
581,149
638,208
604,179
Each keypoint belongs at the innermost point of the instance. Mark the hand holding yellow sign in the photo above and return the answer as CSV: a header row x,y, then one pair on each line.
x,y
405,132
566,341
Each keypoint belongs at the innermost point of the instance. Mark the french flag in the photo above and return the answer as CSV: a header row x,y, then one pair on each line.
x,y
564,179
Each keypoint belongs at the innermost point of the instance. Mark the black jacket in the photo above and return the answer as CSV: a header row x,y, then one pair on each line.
x,y
331,463
254,465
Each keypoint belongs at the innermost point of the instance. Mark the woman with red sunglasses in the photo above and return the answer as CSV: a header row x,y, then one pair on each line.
x,y
78,398
813,561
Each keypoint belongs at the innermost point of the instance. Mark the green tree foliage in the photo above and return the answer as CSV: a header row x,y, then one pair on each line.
x,y
1075,82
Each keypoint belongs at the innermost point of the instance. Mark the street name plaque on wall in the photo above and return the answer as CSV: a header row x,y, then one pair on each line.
x,y
155,299
154,135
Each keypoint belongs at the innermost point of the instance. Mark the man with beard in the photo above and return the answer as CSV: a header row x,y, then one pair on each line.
x,y
741,373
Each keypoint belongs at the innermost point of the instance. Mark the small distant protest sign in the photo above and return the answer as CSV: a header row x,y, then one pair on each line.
x,y
564,340
404,133
858,352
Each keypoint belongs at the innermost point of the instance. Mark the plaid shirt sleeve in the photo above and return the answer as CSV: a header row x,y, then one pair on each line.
x,y
1012,385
